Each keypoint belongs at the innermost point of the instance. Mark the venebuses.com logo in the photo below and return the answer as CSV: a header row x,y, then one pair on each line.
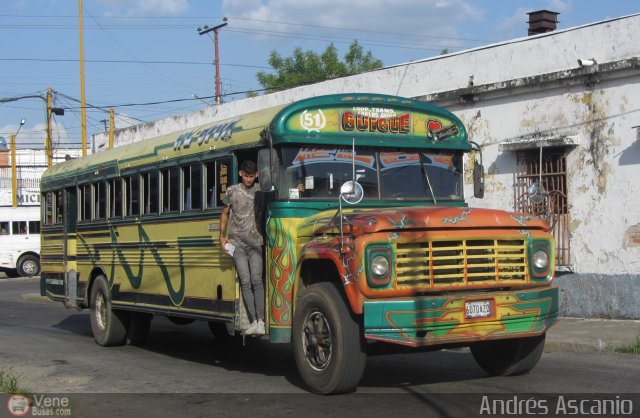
x,y
18,405
38,405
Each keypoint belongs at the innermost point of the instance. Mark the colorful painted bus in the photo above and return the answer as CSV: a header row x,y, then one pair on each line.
x,y
368,238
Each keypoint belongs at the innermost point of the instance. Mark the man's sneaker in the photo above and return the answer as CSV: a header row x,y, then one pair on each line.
x,y
260,328
253,328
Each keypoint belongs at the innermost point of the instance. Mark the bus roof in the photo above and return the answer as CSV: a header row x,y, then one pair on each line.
x,y
367,119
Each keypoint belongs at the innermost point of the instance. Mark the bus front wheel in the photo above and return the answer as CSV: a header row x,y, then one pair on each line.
x,y
328,348
28,266
109,327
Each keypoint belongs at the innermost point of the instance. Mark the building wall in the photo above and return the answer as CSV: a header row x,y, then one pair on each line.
x,y
30,165
529,91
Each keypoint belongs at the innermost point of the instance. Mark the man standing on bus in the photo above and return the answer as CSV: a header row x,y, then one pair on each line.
x,y
239,216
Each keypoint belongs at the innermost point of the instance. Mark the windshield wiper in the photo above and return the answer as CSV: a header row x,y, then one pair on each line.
x,y
425,176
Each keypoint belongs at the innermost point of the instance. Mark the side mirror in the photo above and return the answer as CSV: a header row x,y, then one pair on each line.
x,y
351,192
478,180
268,169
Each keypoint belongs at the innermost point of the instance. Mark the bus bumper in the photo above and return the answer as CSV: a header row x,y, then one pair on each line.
x,y
6,261
438,320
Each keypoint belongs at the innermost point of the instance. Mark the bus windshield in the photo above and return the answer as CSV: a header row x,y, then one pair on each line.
x,y
318,173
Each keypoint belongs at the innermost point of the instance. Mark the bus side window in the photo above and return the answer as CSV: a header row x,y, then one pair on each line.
x,y
171,189
192,187
132,195
19,228
116,198
47,208
34,227
100,203
84,202
210,184
150,193
58,207
4,228
224,177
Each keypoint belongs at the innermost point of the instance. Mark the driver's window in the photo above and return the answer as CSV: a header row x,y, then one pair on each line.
x,y
318,173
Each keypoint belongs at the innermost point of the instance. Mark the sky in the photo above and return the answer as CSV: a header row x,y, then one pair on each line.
x,y
147,59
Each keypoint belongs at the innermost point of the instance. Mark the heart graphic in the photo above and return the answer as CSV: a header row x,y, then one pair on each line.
x,y
433,125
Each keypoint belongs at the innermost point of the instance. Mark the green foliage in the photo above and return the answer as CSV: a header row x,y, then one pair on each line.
x,y
306,67
9,383
633,348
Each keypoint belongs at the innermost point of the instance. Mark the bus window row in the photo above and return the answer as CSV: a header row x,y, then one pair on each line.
x,y
187,188
19,227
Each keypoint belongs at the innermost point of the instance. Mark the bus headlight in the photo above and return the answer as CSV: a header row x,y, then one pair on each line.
x,y
541,263
540,259
380,265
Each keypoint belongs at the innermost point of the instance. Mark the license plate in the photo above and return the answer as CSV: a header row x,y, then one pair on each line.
x,y
477,309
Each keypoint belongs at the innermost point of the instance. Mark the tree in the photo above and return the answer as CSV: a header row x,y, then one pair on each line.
x,y
306,67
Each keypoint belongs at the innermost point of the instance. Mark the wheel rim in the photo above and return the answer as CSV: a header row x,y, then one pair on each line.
x,y
317,341
101,311
30,267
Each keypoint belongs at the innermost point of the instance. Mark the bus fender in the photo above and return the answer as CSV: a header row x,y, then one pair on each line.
x,y
315,268
97,271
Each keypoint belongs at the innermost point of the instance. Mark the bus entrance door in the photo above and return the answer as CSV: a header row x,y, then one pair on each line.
x,y
69,248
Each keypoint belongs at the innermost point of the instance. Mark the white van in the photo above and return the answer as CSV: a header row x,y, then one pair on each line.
x,y
20,241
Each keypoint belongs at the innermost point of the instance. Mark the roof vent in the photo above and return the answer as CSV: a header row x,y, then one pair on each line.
x,y
542,21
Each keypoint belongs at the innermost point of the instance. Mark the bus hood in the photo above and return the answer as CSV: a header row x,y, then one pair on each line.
x,y
366,221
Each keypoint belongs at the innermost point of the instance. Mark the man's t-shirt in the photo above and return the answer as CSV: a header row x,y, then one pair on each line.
x,y
242,220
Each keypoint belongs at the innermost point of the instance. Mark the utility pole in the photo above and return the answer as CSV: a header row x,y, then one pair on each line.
x,y
48,137
215,29
14,173
112,124
14,167
83,107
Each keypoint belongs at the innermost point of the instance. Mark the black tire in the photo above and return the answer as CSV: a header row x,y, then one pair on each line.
x,y
328,347
179,320
109,327
11,273
28,266
509,357
219,331
138,328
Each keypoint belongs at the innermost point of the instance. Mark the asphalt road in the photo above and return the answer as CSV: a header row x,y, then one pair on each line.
x,y
183,368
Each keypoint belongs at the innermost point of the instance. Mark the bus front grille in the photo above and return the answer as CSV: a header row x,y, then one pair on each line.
x,y
459,263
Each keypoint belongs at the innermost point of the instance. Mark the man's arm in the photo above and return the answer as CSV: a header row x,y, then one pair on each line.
x,y
224,219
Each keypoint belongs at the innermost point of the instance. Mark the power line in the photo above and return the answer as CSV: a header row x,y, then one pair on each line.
x,y
232,18
114,61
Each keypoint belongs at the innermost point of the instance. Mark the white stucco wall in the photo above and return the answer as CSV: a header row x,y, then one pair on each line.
x,y
604,168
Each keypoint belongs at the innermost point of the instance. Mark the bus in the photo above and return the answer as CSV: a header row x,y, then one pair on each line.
x,y
20,241
368,238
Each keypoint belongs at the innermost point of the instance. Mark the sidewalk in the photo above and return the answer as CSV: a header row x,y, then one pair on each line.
x,y
591,334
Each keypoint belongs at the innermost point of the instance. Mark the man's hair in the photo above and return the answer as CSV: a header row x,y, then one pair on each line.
x,y
249,167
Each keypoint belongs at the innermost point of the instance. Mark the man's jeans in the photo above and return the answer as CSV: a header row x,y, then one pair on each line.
x,y
248,261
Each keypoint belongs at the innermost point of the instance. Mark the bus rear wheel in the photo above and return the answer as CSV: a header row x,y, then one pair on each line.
x,y
138,328
28,266
509,357
328,348
109,327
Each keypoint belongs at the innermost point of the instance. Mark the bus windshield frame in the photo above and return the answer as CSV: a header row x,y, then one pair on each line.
x,y
386,174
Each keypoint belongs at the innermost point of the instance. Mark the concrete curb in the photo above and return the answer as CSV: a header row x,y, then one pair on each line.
x,y
35,297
